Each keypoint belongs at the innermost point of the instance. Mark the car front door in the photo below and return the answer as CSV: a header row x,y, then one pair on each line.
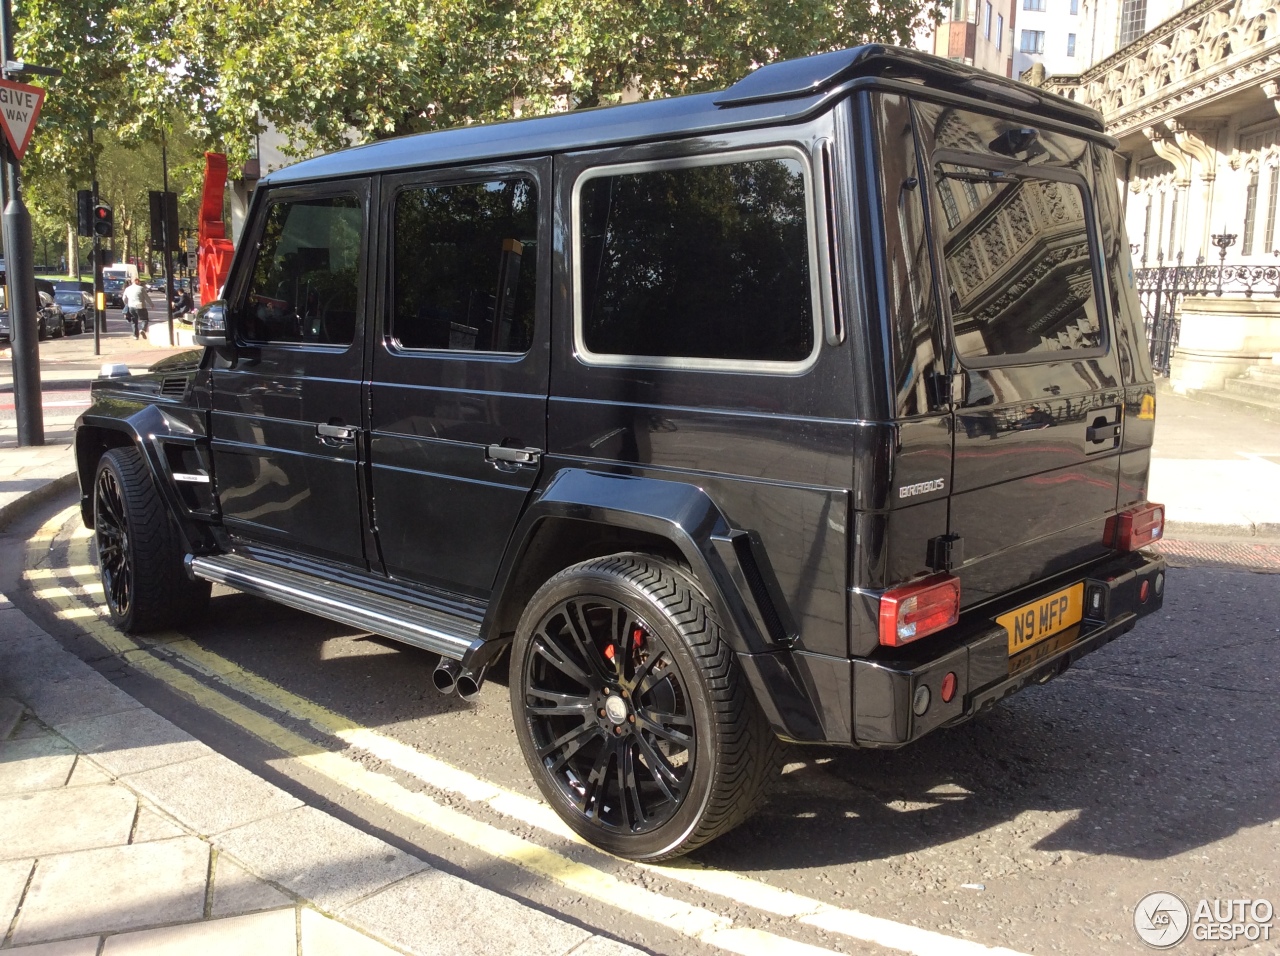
x,y
459,369
286,410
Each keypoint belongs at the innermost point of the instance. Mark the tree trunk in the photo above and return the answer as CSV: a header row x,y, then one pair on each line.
x,y
73,251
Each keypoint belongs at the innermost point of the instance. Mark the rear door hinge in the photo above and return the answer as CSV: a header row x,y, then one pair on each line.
x,y
946,552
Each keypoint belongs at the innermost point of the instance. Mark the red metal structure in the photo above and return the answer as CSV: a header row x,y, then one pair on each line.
x,y
215,248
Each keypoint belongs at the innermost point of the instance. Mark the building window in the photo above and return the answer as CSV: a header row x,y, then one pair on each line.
x,y
1032,41
1269,237
957,9
999,32
1146,233
1250,214
1033,5
1071,44
1133,20
986,24
1075,7
1173,226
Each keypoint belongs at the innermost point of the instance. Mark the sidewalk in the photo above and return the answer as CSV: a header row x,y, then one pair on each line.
x,y
124,835
121,834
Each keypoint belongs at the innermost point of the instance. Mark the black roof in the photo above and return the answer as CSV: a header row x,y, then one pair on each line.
x,y
782,92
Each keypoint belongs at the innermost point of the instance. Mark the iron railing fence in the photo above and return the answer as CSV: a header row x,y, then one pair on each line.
x,y
1162,288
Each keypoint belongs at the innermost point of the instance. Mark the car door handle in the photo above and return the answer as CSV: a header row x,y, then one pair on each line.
x,y
335,433
1109,431
519,456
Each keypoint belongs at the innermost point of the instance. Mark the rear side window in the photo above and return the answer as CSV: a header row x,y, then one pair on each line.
x,y
464,266
1019,265
697,264
304,283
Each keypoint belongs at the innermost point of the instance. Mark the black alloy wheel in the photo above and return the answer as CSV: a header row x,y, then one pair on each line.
x,y
111,529
139,552
630,710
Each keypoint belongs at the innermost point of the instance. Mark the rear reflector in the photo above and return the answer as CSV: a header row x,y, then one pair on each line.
x,y
912,611
1135,528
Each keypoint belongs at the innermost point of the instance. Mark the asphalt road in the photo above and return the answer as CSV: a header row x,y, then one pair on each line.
x,y
1151,765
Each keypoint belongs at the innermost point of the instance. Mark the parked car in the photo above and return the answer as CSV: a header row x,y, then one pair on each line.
x,y
697,410
77,310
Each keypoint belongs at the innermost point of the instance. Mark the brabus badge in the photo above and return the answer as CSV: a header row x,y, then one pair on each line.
x,y
922,488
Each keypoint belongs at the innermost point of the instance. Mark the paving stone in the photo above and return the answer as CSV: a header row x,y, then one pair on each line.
x,y
436,913
319,858
603,946
87,774
78,698
262,934
36,763
10,715
132,741
87,946
322,936
151,826
211,794
114,889
236,890
62,821
13,880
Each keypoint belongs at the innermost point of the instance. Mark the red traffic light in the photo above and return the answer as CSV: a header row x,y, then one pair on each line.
x,y
103,220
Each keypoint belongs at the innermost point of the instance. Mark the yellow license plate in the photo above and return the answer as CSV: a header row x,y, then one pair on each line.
x,y
1040,619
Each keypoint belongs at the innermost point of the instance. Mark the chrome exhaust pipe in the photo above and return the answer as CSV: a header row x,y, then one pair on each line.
x,y
469,684
445,676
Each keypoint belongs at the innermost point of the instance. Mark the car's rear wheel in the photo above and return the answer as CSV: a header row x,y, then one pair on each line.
x,y
631,711
139,553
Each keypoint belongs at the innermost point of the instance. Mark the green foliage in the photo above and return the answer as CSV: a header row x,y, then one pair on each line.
x,y
330,73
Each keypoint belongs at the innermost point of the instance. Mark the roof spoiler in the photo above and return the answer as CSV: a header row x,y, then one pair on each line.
x,y
824,72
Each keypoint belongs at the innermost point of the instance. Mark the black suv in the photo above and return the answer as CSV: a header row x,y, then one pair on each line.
x,y
815,409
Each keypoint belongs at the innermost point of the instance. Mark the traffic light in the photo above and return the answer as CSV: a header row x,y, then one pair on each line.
x,y
103,221
84,212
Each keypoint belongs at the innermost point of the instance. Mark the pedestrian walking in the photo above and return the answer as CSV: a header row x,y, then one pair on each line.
x,y
137,304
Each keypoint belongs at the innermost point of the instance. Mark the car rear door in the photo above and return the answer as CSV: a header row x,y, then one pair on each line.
x,y
458,370
1037,394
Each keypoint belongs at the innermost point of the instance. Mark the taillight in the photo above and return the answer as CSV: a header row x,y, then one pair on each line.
x,y
912,611
1135,528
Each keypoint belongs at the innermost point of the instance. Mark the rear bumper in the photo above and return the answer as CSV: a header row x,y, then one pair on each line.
x,y
884,690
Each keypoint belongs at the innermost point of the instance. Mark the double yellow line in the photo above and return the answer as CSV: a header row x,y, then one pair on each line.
x,y
50,583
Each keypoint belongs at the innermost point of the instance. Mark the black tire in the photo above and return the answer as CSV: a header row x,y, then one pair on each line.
x,y
646,768
139,552
42,330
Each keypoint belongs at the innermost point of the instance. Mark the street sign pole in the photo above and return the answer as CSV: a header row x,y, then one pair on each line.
x,y
21,276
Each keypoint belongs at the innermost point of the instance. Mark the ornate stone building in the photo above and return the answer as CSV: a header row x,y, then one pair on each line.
x,y
1195,104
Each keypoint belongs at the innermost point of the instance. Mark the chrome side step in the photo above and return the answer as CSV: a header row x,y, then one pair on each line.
x,y
443,634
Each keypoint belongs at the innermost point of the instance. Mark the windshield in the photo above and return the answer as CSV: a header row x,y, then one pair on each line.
x,y
69,298
113,285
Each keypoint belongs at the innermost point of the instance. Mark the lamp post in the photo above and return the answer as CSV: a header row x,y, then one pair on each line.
x,y
1223,241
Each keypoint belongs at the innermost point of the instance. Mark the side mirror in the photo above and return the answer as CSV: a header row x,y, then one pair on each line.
x,y
210,325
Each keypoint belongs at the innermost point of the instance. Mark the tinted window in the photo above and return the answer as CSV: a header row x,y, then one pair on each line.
x,y
304,281
73,299
464,272
1019,269
709,262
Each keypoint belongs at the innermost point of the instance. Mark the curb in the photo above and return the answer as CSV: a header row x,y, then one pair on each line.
x,y
1261,529
24,505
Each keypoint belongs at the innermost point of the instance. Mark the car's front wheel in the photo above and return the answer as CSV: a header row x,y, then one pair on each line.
x,y
631,710
139,553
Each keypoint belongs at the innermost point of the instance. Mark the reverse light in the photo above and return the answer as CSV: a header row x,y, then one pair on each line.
x,y
1135,528
912,611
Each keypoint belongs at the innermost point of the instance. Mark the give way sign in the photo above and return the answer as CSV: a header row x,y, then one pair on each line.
x,y
19,106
